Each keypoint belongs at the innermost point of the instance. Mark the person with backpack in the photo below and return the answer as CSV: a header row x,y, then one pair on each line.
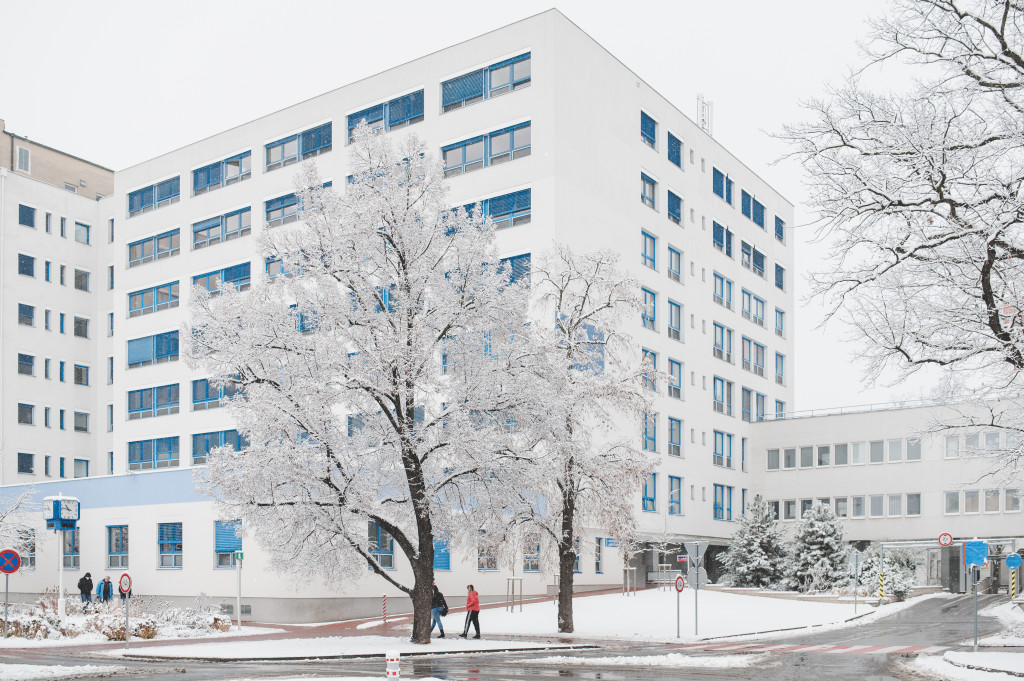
x,y
472,611
438,609
85,588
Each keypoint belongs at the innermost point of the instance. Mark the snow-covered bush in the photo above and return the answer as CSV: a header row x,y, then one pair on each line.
x,y
757,553
818,551
899,573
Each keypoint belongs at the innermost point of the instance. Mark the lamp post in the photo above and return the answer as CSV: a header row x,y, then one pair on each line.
x,y
61,515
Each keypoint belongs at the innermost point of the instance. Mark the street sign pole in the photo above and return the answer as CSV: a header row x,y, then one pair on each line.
x,y
126,636
974,572
7,593
238,595
124,585
678,616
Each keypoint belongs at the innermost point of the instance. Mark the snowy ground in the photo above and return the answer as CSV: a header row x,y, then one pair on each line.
x,y
168,633
293,648
669,660
944,668
1012,619
31,672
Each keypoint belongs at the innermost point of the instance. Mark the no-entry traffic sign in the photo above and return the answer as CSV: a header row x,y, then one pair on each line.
x,y
680,583
10,561
945,539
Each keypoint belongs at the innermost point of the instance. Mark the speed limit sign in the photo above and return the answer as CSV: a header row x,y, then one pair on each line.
x,y
945,539
125,585
680,583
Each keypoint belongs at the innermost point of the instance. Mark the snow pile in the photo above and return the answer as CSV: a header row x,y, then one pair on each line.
x,y
669,660
1013,626
31,672
1011,663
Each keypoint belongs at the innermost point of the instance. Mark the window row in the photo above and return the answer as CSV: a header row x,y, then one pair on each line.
x,y
507,210
27,465
27,218
861,506
495,80
27,268
396,113
163,452
27,317
752,307
158,195
750,258
722,506
843,454
970,444
27,367
750,207
478,152
981,501
649,136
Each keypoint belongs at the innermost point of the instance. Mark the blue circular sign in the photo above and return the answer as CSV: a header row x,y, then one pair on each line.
x,y
1013,561
10,561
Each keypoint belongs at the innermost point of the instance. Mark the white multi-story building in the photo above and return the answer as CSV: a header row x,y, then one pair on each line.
x,y
557,137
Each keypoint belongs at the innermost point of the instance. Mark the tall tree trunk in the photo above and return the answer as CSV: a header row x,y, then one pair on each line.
x,y
566,563
422,595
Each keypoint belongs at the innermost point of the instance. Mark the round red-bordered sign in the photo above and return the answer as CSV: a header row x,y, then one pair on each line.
x,y
680,583
10,561
945,539
125,583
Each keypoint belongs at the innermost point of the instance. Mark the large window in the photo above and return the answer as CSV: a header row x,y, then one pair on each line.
x,y
649,249
222,228
81,374
753,308
26,545
723,449
675,379
222,173
518,267
780,369
752,208
163,347
237,275
531,553
117,547
169,541
651,369
650,493
723,396
722,293
780,277
26,462
82,233
154,196
675,321
203,443
207,395
780,229
721,238
153,299
648,190
507,210
493,81
154,248
26,265
26,315
72,548
722,348
396,113
157,453
723,502
675,150
81,422
26,216
380,545
227,538
307,144
675,208
675,437
648,130
26,364
487,150
149,402
675,495
721,185
649,314
650,440
753,356
26,414
675,266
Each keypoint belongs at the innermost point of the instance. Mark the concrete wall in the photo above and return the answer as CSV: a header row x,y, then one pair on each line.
x,y
55,167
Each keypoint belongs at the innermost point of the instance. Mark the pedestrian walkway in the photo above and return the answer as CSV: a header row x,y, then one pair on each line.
x,y
825,648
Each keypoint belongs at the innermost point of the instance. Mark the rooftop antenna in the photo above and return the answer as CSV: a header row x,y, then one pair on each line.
x,y
705,112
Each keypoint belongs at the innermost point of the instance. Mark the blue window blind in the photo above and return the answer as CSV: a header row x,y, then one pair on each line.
x,y
718,182
222,173
26,215
154,248
463,90
154,196
238,275
373,117
780,229
26,265
518,267
227,536
442,556
758,262
780,277
722,238
648,129
497,79
282,210
405,110
758,213
169,539
675,208
163,347
509,209
203,443
159,453
168,189
675,150
141,200
315,140
26,314
205,177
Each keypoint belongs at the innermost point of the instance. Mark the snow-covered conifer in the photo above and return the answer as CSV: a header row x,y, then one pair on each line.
x,y
757,555
818,551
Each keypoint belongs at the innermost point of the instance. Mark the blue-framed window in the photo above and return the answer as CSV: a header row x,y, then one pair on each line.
x,y
649,314
82,233
675,208
675,437
507,210
780,369
26,364
26,462
722,396
759,400
593,348
227,538
60,371
156,349
598,551
721,185
117,546
170,543
161,452
780,323
722,342
26,414
648,254
72,547
396,113
81,374
442,555
651,372
752,259
154,196
26,216
380,545
675,495
26,265
531,553
203,443
231,170
753,356
746,404
723,449
222,228
518,267
675,264
648,130
722,293
752,208
650,441
207,395
650,493
675,379
780,409
648,190
721,238
288,150
154,299
752,307
493,81
148,402
780,277
282,210
675,150
675,321
780,229
46,271
723,502
743,500
487,150
236,275
153,248
26,314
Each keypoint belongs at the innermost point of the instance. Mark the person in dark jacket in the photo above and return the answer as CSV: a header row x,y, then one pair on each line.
x,y
108,590
85,588
472,611
438,609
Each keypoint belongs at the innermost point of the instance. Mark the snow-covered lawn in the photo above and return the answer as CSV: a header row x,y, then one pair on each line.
x,y
652,615
1012,619
166,633
956,666
669,660
30,672
323,647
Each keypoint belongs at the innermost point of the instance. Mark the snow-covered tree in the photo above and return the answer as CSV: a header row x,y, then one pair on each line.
x,y
919,191
381,376
758,554
591,379
899,573
818,551
15,517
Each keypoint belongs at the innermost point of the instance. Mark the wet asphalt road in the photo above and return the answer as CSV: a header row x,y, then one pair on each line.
x,y
934,622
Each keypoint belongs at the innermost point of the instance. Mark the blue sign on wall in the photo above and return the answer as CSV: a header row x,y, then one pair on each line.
x,y
610,543
976,553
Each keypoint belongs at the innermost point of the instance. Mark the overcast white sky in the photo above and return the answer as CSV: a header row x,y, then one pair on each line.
x,y
118,83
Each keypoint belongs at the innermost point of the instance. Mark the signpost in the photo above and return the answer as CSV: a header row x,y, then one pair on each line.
x,y
10,561
697,576
855,558
124,585
1013,562
680,585
61,514
238,597
975,557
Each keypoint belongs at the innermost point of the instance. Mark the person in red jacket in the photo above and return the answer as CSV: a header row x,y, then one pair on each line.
x,y
472,612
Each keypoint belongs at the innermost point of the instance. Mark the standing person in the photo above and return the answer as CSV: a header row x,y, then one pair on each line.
x,y
472,612
85,588
438,609
108,589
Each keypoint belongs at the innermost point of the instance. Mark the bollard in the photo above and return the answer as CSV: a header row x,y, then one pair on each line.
x,y
881,587
394,670
1013,583
384,606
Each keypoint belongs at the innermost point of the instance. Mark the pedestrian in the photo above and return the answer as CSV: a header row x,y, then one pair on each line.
x,y
472,612
125,595
100,585
108,590
85,588
438,609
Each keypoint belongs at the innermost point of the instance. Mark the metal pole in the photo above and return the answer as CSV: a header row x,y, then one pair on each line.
x,y
696,588
7,586
678,616
126,635
974,573
60,578
238,595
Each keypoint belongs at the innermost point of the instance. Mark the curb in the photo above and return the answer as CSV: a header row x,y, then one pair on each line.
x,y
777,631
982,669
